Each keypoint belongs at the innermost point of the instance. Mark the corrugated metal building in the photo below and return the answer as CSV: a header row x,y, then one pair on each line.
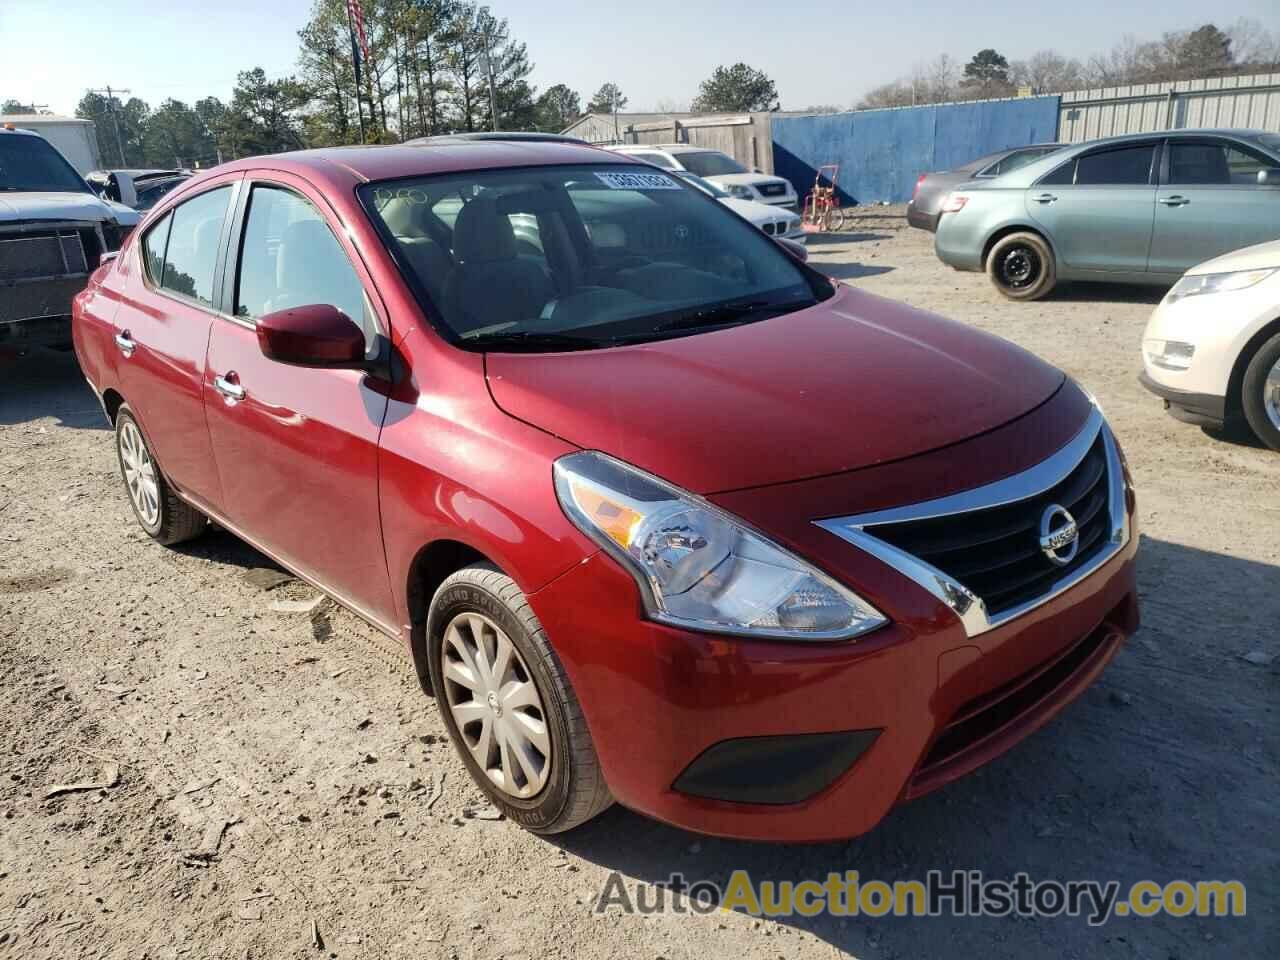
x,y
1242,102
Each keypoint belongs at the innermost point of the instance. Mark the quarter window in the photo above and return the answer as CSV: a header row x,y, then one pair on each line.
x,y
1213,164
191,252
153,245
290,258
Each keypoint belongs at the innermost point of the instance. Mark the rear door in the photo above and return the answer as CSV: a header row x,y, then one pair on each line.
x,y
1097,208
297,447
1210,202
167,308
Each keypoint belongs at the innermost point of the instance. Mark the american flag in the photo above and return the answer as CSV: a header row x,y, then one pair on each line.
x,y
356,13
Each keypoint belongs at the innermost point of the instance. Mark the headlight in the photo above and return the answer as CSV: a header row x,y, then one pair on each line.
x,y
1193,285
698,567
741,191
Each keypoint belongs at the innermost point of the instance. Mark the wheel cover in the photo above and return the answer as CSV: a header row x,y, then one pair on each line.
x,y
1019,267
495,705
139,473
1271,395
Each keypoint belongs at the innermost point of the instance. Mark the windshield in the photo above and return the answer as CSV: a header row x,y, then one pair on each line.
x,y
710,163
576,257
30,165
706,186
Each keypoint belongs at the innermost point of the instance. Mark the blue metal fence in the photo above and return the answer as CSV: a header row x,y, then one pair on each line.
x,y
882,152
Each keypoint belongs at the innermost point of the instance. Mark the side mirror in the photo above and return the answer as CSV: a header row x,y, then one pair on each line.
x,y
315,335
795,248
1269,177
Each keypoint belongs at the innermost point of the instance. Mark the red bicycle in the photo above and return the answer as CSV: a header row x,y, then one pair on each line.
x,y
822,205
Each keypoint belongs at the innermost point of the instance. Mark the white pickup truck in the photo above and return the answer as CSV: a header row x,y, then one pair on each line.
x,y
54,231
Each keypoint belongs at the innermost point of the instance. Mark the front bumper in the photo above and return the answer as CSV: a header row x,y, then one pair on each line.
x,y
1200,409
928,704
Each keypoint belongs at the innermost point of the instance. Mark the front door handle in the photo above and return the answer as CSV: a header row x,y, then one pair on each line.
x,y
229,387
1176,200
125,342
1045,198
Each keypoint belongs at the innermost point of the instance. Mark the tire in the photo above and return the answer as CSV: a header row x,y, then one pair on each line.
x,y
1260,393
835,219
472,612
1022,266
165,516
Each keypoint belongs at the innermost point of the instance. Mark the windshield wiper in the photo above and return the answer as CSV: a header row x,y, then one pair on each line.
x,y
535,340
738,311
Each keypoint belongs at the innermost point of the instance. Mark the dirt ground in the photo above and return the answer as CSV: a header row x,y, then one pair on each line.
x,y
274,784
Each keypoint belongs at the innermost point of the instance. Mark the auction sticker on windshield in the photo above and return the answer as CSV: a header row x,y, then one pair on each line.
x,y
637,181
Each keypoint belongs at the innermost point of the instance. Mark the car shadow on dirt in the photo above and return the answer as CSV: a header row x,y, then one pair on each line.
x,y
1111,789
849,271
847,236
46,383
1089,291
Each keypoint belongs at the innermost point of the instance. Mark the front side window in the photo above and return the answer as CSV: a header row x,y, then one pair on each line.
x,y
31,165
1209,163
290,258
575,257
710,163
191,253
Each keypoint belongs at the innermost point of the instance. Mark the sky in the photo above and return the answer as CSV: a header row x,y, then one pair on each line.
x,y
817,52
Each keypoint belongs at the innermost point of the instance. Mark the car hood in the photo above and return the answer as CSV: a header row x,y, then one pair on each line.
x,y
1261,256
748,179
853,381
63,206
754,212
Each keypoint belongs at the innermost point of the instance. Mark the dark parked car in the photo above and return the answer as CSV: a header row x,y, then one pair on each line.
x,y
932,188
660,513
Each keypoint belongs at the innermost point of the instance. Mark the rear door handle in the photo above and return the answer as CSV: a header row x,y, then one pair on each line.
x,y
125,343
1175,201
1045,198
229,388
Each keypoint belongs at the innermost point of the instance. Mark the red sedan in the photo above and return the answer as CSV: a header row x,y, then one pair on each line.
x,y
660,513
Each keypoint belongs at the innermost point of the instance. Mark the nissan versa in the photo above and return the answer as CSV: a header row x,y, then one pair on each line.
x,y
660,513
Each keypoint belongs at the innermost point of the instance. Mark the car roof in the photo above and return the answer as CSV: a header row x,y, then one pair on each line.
x,y
341,165
1235,133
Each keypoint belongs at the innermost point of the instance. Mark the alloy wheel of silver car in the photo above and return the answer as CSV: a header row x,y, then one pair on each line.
x,y
139,473
1271,395
496,705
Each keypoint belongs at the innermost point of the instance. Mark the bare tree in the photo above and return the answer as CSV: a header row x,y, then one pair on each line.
x,y
1046,71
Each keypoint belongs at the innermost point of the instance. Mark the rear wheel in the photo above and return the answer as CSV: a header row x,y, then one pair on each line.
x,y
161,512
1260,393
835,218
508,704
1021,266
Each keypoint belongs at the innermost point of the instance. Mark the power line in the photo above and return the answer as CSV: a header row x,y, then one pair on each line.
x,y
115,120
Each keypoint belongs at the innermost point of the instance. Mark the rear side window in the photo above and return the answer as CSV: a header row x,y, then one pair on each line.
x,y
290,258
1014,161
192,249
1126,167
1213,164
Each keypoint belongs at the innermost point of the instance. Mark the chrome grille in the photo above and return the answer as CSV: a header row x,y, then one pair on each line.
x,y
979,552
996,553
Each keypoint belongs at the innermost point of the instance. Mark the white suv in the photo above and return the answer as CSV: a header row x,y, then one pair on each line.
x,y
719,168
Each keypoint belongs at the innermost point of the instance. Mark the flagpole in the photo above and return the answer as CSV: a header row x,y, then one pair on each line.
x,y
355,63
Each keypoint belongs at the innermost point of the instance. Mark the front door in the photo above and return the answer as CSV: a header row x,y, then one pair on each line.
x,y
1210,203
297,447
162,333
1096,209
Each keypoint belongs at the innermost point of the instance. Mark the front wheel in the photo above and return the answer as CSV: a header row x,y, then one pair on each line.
x,y
508,704
1021,266
1260,393
834,219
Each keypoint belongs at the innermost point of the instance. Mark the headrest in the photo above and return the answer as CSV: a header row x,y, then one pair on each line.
x,y
482,232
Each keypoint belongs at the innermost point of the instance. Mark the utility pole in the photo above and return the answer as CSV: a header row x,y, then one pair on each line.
x,y
115,120
488,66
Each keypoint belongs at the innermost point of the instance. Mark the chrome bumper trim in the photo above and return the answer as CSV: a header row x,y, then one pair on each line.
x,y
968,606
